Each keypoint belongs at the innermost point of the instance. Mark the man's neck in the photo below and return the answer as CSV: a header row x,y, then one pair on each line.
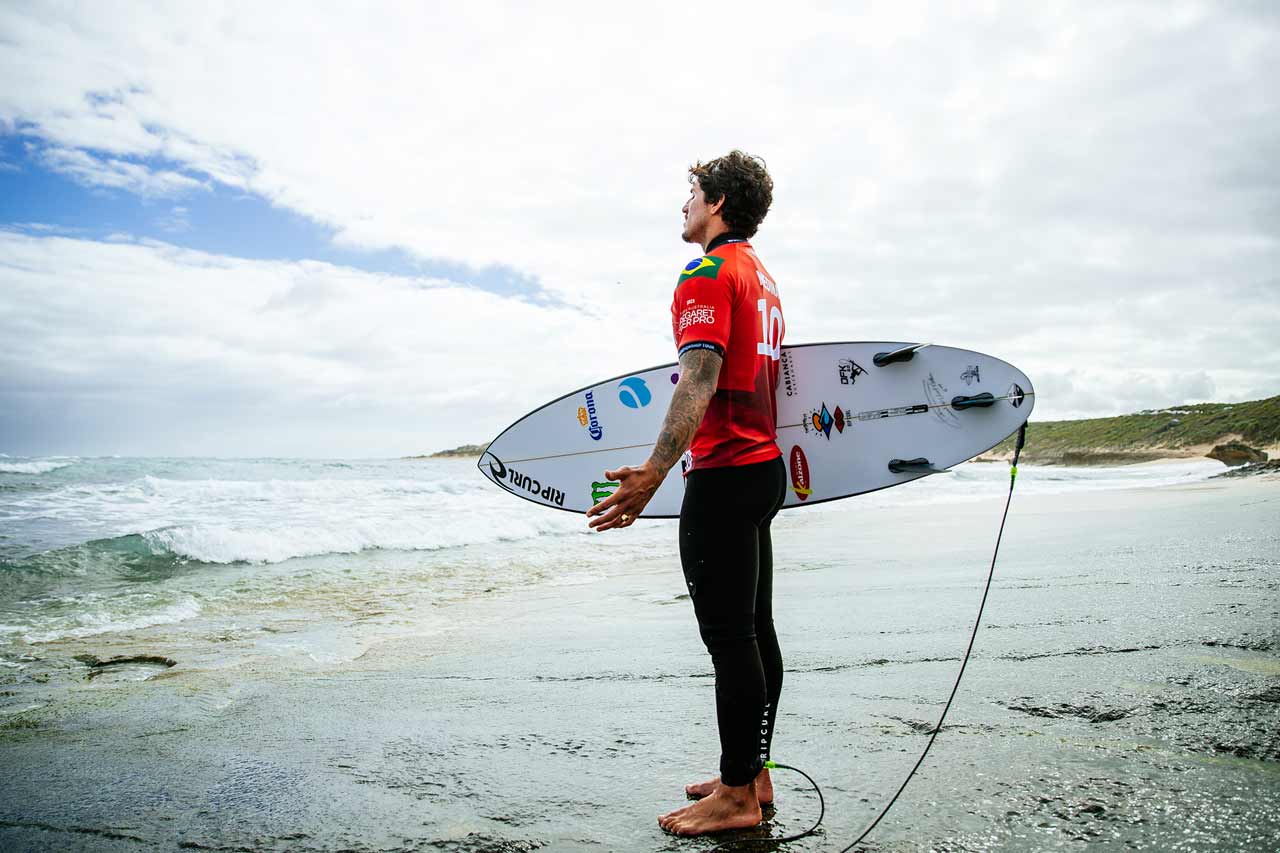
x,y
714,230
721,239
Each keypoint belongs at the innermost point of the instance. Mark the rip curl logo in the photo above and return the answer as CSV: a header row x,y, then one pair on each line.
x,y
821,421
698,315
587,417
511,479
764,732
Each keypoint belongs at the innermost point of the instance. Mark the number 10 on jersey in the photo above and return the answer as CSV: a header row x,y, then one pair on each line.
x,y
770,330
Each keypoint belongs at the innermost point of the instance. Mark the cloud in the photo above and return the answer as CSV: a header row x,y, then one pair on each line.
x,y
114,173
148,348
175,221
1089,192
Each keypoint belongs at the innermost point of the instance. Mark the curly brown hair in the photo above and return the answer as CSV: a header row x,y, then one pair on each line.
x,y
743,182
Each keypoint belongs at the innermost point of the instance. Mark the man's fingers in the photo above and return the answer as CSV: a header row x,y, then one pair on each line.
x,y
616,517
619,473
603,506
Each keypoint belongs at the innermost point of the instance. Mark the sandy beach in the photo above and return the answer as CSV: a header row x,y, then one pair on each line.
x,y
1124,694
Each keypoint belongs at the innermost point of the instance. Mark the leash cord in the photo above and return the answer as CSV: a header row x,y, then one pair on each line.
x,y
1013,476
933,735
822,812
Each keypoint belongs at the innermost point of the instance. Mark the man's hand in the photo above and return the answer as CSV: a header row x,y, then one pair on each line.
x,y
699,373
636,487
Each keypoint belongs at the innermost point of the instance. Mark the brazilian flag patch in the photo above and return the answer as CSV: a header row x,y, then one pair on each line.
x,y
703,267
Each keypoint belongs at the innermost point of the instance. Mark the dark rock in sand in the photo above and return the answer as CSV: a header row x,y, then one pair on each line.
x,y
1062,709
97,665
1252,469
1235,453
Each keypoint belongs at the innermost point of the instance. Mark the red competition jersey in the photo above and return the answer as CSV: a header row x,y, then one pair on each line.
x,y
726,301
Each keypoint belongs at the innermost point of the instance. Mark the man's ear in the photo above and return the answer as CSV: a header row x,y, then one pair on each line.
x,y
713,209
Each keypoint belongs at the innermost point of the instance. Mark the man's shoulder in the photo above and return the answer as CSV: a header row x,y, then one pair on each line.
x,y
703,266
728,263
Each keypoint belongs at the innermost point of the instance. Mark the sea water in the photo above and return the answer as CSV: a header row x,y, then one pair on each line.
x,y
96,546
393,655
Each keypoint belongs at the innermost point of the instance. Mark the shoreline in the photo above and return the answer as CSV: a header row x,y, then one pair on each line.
x,y
1111,668
1101,457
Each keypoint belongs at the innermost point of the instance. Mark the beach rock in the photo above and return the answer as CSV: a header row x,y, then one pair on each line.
x,y
1235,453
98,666
1059,710
1252,469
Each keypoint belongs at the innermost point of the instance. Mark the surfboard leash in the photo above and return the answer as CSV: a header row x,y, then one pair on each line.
x,y
933,735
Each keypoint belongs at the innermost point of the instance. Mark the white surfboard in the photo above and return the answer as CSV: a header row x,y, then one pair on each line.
x,y
852,418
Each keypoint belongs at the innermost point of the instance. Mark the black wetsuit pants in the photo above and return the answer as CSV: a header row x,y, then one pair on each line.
x,y
727,555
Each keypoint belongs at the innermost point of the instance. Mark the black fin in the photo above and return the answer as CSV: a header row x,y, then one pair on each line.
x,y
919,465
977,401
883,359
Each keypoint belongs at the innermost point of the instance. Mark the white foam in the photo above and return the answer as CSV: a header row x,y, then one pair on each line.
x,y
39,467
275,543
128,613
270,521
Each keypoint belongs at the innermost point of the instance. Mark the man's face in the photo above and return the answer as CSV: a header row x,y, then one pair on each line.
x,y
697,214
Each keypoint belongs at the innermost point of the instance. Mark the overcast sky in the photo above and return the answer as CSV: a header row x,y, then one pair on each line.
x,y
274,229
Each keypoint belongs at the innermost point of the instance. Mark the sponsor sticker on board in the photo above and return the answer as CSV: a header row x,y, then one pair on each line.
x,y
634,393
849,371
800,483
1016,395
587,417
787,375
822,419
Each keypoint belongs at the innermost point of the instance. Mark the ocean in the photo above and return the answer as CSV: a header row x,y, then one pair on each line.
x,y
96,546
394,655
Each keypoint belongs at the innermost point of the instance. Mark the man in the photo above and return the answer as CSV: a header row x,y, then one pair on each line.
x,y
727,322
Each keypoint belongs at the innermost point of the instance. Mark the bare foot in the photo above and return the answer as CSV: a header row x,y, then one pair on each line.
x,y
724,808
764,788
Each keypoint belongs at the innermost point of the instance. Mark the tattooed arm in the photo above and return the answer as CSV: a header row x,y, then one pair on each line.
x,y
699,374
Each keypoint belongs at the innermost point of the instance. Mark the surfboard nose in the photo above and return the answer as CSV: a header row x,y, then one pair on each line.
x,y
491,466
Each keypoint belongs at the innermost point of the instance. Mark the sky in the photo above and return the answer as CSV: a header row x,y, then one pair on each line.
x,y
310,229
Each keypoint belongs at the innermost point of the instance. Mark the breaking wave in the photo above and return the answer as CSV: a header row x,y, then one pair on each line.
x,y
39,466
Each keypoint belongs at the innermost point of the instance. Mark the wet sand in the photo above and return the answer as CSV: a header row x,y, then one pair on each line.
x,y
1125,692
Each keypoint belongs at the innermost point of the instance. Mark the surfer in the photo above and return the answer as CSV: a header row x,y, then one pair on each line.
x,y
721,426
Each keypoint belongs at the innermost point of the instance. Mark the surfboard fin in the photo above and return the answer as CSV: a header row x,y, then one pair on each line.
x,y
977,401
919,465
884,359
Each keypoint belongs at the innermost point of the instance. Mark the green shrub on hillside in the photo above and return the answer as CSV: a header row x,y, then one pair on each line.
x,y
1256,422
